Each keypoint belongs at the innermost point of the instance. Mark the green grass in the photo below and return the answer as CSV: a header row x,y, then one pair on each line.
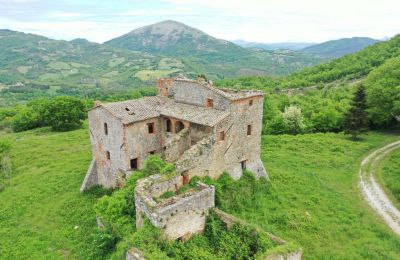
x,y
313,199
43,215
388,175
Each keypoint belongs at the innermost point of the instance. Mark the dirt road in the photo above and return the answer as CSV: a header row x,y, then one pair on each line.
x,y
373,193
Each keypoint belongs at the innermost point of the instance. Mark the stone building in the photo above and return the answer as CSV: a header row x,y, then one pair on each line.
x,y
204,130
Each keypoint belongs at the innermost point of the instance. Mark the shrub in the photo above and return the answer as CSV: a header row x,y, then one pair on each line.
x,y
104,241
66,113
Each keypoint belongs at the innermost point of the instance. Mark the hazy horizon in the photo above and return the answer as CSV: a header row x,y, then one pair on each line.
x,y
253,21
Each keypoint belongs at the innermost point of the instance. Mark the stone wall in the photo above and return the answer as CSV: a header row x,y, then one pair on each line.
x,y
102,143
197,160
192,92
91,177
180,216
139,143
177,145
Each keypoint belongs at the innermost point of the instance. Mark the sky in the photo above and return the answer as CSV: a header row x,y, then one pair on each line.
x,y
251,20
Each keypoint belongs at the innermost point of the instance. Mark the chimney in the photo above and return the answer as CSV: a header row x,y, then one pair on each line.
x,y
163,86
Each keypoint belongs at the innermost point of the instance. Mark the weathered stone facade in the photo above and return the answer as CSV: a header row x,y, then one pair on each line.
x,y
222,132
180,216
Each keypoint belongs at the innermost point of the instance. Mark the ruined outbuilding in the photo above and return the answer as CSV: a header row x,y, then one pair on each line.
x,y
205,131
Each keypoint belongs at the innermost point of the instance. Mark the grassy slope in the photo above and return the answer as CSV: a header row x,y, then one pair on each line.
x,y
389,176
39,212
314,198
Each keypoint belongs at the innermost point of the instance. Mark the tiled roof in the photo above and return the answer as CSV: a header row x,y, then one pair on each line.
x,y
149,107
136,110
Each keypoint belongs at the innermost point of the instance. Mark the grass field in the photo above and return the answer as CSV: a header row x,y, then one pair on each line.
x,y
42,214
313,198
389,176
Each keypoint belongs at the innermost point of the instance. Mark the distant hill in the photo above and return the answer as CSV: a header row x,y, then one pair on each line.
x,y
294,46
33,65
215,57
352,67
339,48
174,38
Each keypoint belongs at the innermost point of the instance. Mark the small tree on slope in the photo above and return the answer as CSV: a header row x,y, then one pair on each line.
x,y
356,118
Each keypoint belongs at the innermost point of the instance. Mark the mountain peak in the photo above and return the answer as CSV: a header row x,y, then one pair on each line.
x,y
171,37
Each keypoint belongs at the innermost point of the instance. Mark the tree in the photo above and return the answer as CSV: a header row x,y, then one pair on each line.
x,y
356,118
293,119
383,89
66,113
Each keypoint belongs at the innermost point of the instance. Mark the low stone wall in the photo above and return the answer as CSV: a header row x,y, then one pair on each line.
x,y
91,178
177,145
230,220
179,216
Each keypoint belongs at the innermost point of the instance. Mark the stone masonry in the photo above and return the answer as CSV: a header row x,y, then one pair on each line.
x,y
205,131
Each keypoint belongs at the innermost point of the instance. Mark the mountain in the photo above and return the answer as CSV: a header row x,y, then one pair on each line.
x,y
294,46
340,72
204,53
339,48
174,38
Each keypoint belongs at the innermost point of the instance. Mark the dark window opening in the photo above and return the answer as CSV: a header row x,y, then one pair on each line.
x,y
169,126
179,126
108,155
249,130
150,127
152,152
210,102
221,135
105,129
185,178
251,102
134,164
243,165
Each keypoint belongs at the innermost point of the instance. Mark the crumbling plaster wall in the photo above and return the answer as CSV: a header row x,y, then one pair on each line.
x,y
107,169
139,142
240,145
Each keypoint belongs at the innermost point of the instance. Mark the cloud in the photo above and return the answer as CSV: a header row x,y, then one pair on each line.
x,y
254,20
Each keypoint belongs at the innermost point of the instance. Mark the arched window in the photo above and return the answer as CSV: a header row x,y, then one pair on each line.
x,y
179,126
169,126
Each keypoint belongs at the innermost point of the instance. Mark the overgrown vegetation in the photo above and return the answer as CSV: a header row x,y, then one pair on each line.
x,y
5,164
117,212
323,92
313,199
61,114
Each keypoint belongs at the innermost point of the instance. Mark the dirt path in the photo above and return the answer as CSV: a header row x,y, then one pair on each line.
x,y
373,193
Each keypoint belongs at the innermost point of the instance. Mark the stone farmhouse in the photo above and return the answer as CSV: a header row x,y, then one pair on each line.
x,y
204,130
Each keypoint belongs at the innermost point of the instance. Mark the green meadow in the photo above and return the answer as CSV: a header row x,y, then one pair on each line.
x,y
312,199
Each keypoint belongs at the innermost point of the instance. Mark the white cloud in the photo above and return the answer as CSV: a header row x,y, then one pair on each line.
x,y
253,20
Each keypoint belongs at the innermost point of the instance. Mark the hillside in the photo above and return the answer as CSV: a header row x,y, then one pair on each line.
x,y
339,48
349,68
33,66
313,199
209,54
